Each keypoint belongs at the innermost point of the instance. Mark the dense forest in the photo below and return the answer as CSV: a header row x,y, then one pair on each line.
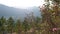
x,y
30,25
49,23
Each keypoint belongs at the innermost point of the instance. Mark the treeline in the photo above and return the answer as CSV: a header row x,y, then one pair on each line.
x,y
30,25
48,24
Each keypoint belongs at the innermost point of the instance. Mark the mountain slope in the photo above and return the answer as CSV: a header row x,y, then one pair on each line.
x,y
15,12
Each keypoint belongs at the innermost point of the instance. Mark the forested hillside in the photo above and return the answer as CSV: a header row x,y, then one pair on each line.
x,y
49,23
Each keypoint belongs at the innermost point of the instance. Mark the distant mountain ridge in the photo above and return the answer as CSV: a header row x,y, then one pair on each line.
x,y
15,12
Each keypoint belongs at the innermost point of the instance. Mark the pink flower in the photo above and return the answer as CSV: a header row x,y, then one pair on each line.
x,y
54,29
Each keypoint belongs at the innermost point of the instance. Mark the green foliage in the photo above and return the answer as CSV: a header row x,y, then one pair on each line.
x,y
10,24
18,26
2,24
26,25
52,18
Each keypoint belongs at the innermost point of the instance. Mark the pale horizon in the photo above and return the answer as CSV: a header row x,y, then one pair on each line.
x,y
22,3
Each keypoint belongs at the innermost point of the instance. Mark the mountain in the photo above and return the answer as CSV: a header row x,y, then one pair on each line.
x,y
36,10
15,12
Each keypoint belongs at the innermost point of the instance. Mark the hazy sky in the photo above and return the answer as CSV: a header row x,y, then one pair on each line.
x,y
22,3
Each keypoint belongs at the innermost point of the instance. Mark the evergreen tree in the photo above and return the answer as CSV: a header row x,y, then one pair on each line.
x,y
2,24
10,23
26,25
19,26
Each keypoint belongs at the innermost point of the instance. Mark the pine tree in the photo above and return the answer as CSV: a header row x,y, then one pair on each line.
x,y
26,25
19,26
2,24
10,25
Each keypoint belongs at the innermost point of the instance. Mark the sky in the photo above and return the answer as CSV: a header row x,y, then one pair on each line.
x,y
22,3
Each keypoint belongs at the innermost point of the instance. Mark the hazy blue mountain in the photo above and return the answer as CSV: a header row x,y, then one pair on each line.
x,y
15,12
36,10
